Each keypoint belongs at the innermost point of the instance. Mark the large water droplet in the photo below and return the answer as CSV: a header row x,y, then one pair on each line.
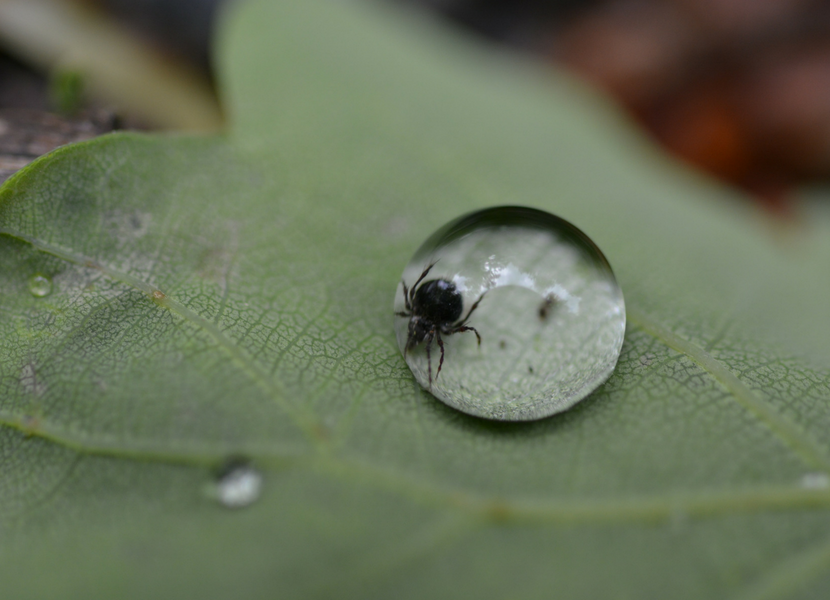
x,y
237,484
540,295
40,285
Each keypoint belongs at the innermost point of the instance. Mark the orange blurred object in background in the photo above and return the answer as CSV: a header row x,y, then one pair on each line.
x,y
739,88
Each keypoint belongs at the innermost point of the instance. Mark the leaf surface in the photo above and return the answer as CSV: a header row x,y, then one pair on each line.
x,y
226,296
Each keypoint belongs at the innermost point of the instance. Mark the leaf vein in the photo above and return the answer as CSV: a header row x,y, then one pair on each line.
x,y
796,438
304,420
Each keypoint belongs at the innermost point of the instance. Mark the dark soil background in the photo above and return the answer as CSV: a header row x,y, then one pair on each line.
x,y
738,88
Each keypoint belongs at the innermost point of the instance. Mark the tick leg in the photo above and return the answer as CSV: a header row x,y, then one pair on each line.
x,y
429,358
463,328
402,314
420,279
407,345
472,308
440,345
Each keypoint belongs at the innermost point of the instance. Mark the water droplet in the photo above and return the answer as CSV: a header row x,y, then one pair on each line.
x,y
237,484
535,289
815,481
40,285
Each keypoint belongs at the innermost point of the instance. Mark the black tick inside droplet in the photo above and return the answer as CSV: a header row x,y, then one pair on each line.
x,y
434,308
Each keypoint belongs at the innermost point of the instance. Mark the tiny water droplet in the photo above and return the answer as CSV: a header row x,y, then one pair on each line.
x,y
815,481
40,285
237,484
534,289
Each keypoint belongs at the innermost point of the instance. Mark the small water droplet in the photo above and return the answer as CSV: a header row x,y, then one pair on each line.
x,y
40,285
815,481
237,484
534,289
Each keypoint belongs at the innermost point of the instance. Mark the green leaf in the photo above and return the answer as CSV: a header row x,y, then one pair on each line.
x,y
225,296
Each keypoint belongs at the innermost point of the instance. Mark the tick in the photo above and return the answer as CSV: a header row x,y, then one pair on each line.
x,y
434,308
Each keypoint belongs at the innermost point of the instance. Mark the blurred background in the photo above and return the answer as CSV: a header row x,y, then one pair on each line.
x,y
740,89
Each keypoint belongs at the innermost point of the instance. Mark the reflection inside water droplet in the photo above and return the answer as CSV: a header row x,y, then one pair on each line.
x,y
539,294
40,285
237,484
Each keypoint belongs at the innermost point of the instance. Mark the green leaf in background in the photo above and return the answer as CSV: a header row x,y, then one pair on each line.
x,y
227,296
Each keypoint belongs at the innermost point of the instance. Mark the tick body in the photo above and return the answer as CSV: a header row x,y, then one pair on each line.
x,y
434,308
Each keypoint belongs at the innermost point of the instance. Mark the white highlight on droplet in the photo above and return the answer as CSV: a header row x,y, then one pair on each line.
x,y
238,487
